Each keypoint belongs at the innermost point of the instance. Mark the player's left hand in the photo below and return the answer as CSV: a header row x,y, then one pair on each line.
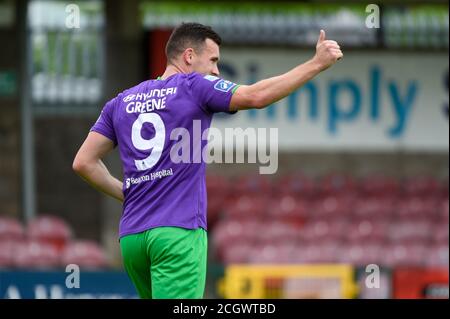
x,y
328,52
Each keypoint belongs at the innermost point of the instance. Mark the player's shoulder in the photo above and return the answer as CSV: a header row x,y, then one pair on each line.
x,y
138,88
131,93
197,80
201,77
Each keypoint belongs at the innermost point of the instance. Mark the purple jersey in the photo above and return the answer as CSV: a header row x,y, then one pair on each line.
x,y
148,122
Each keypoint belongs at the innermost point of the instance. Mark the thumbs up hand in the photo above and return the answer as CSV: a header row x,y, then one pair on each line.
x,y
327,51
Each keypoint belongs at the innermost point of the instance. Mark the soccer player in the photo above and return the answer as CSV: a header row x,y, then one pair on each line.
x,y
162,231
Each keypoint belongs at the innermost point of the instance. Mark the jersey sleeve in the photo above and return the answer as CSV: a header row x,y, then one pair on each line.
x,y
104,124
212,93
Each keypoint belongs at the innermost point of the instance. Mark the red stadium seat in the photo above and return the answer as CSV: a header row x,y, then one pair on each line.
x,y
438,256
234,231
332,207
326,252
405,255
8,248
361,254
380,186
417,207
443,189
249,206
50,229
422,186
11,228
237,253
366,231
275,253
288,208
317,231
217,184
218,190
410,231
86,254
440,234
374,208
11,235
215,208
36,255
443,211
277,232
380,222
334,184
297,185
256,184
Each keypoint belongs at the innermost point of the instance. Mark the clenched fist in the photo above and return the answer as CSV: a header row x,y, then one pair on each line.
x,y
327,51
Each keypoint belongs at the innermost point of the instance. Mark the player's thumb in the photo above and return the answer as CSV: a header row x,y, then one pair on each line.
x,y
321,37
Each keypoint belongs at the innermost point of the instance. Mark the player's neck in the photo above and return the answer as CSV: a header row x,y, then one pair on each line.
x,y
171,70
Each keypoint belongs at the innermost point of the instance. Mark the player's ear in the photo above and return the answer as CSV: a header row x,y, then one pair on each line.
x,y
188,56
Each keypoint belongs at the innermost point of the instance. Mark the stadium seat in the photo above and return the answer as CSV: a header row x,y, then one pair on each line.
x,y
277,231
443,211
335,206
297,185
33,254
289,208
361,254
443,189
326,252
233,231
271,253
378,223
380,186
249,206
217,184
335,184
50,229
11,235
440,232
11,228
437,256
317,231
404,255
419,231
422,186
416,207
218,190
215,208
8,248
86,254
255,184
366,231
374,208
237,253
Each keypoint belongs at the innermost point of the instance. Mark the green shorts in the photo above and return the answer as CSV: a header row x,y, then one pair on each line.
x,y
166,262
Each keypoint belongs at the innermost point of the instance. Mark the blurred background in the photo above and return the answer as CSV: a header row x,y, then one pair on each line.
x,y
358,207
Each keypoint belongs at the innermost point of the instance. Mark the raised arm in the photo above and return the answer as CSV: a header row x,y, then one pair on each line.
x,y
89,166
268,91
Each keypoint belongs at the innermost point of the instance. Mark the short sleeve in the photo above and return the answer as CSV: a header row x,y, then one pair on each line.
x,y
212,93
104,124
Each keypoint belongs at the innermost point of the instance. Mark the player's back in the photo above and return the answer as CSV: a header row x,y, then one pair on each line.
x,y
158,128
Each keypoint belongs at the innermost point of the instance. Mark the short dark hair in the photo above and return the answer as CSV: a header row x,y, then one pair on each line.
x,y
187,35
